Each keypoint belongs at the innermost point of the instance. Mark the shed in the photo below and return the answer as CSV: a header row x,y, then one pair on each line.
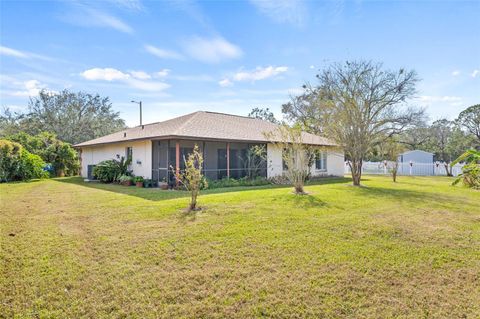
x,y
416,162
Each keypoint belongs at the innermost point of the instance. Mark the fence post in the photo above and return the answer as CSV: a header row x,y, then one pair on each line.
x,y
411,166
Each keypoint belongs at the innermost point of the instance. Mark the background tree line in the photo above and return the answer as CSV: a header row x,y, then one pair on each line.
x,y
47,130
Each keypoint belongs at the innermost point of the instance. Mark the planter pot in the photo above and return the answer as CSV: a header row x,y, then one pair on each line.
x,y
139,184
163,185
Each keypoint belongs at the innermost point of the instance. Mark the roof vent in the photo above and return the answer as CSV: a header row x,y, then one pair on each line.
x,y
125,134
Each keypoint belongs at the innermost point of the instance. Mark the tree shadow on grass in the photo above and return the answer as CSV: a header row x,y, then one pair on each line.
x,y
403,195
306,201
156,194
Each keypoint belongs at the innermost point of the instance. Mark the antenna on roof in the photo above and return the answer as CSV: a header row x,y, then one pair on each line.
x,y
140,104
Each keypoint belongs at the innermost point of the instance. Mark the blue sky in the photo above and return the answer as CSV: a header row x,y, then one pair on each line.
x,y
230,56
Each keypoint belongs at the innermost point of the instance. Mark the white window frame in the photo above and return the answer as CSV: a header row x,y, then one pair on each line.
x,y
323,161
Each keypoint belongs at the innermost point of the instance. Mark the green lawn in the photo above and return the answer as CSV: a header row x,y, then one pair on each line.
x,y
405,250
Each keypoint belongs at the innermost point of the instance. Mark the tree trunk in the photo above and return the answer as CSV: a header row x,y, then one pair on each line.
x,y
448,169
356,169
60,172
193,201
299,189
394,172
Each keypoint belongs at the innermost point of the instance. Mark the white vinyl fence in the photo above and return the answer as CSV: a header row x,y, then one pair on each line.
x,y
414,169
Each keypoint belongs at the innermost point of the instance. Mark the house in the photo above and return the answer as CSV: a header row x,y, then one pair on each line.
x,y
158,148
421,163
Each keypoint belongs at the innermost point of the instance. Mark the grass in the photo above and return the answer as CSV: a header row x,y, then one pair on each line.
x,y
405,250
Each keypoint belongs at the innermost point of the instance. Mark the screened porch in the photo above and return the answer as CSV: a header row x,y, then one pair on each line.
x,y
220,159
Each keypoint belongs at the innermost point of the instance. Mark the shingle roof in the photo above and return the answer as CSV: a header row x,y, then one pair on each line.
x,y
203,125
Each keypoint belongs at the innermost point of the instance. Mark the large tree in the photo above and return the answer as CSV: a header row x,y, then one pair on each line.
x,y
447,142
415,137
357,104
263,114
470,120
73,117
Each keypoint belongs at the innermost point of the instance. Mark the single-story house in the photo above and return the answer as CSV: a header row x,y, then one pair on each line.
x,y
223,139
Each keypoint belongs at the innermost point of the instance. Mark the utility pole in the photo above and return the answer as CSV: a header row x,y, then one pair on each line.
x,y
140,104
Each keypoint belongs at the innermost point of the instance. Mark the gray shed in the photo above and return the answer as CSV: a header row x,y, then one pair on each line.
x,y
416,156
422,162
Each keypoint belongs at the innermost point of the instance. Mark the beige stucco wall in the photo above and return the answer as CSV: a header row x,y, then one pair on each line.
x,y
335,162
141,161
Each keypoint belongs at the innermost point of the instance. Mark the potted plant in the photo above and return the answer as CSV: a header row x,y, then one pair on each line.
x,y
147,183
163,184
125,180
139,181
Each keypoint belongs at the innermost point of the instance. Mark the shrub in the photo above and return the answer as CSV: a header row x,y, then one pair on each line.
x,y
279,180
139,179
125,178
17,164
106,171
232,182
60,155
32,166
110,170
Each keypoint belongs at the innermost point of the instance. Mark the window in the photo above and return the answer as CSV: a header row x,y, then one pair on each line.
x,y
321,161
284,164
129,153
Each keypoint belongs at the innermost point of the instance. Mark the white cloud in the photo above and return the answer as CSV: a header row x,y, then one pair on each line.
x,y
212,50
429,100
162,73
446,98
162,53
129,4
195,78
141,75
106,74
147,85
102,19
312,66
30,88
283,11
260,73
88,17
134,79
13,52
475,73
456,73
21,54
225,83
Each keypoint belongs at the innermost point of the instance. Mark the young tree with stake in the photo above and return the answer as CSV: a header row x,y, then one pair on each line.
x,y
192,178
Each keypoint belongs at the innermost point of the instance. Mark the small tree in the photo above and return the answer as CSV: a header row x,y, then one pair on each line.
x,y
192,178
297,156
392,150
